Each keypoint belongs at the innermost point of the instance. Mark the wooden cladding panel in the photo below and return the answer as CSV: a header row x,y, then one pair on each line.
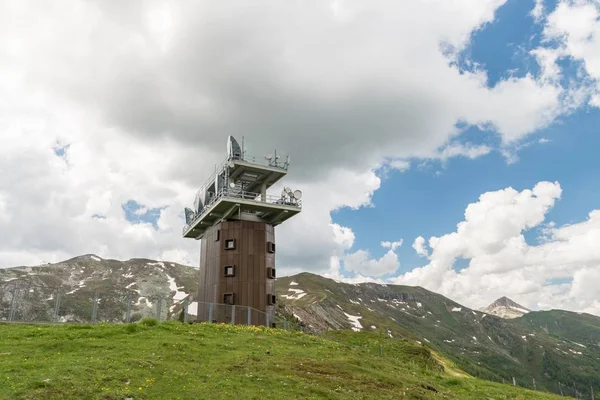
x,y
250,284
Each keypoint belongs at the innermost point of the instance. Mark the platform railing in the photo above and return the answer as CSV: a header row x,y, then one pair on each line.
x,y
251,196
262,161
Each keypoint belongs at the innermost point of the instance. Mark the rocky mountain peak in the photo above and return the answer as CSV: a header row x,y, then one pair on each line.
x,y
506,308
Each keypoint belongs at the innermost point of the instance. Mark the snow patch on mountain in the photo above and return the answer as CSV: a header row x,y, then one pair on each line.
x,y
173,286
298,294
354,321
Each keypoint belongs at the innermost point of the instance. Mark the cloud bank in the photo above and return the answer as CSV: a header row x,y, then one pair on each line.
x,y
106,104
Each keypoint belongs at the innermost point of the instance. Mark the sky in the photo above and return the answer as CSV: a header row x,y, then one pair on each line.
x,y
449,145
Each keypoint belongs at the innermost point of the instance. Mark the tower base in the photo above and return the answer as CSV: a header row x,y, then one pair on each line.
x,y
237,273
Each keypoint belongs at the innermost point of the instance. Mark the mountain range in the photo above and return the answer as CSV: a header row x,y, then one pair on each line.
x,y
557,351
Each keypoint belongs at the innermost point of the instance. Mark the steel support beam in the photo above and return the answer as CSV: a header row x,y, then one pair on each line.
x,y
277,217
230,212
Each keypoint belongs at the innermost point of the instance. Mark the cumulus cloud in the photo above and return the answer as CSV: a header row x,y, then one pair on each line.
x,y
560,272
419,246
361,262
572,31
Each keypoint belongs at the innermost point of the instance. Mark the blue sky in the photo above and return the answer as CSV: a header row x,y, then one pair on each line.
x,y
429,199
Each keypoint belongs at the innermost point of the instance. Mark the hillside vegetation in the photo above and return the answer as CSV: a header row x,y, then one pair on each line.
x,y
558,350
171,360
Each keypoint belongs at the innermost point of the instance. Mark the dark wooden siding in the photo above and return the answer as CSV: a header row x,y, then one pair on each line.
x,y
250,284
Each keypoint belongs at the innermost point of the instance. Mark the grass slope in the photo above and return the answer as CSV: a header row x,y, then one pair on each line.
x,y
551,347
178,361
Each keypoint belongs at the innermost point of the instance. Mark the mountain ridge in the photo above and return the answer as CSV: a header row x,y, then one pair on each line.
x,y
542,346
548,346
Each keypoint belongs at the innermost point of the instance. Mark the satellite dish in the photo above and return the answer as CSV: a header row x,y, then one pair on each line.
x,y
207,196
189,215
231,164
233,148
288,190
269,156
232,185
219,184
297,194
198,206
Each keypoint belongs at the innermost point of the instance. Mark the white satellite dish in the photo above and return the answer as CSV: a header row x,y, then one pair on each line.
x,y
269,156
232,185
288,190
233,148
297,194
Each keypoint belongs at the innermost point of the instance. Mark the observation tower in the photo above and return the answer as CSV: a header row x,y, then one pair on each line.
x,y
234,218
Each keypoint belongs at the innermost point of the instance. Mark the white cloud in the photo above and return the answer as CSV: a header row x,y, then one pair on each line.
x,y
463,150
391,245
419,246
141,211
538,10
400,165
361,262
343,236
575,27
502,263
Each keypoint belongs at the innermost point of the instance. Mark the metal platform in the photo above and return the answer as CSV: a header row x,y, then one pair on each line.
x,y
229,204
254,174
237,189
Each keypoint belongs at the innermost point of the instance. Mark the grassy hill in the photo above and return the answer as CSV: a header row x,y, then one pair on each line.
x,y
171,360
550,347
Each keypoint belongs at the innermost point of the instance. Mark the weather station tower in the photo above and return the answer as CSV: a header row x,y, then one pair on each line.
x,y
234,218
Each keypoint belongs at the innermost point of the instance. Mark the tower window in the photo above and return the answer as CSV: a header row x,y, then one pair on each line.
x,y
271,273
229,270
230,244
270,247
228,298
218,235
271,299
